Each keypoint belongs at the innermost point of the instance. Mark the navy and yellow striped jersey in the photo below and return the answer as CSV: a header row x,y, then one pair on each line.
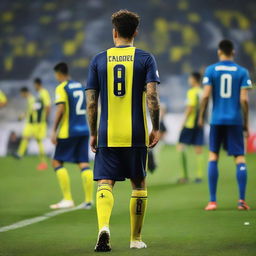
x,y
120,74
73,123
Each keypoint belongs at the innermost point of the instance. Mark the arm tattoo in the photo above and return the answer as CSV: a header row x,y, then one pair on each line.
x,y
92,110
153,104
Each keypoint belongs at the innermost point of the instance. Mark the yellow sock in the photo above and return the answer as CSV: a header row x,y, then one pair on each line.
x,y
138,205
41,150
104,202
63,178
87,179
22,147
199,165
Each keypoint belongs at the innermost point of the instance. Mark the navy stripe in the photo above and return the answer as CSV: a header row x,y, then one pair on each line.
x,y
85,169
138,128
103,81
57,168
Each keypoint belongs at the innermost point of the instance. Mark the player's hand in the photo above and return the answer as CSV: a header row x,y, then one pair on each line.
x,y
246,132
153,138
93,143
54,138
200,122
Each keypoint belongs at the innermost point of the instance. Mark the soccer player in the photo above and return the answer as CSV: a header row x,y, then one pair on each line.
x,y
71,137
30,119
3,99
125,78
43,105
191,134
227,83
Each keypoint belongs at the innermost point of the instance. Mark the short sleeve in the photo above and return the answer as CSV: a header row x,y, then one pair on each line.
x,y
191,99
152,74
207,79
246,80
92,79
60,95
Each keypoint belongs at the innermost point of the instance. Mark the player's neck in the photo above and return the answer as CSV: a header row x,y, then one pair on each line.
x,y
123,41
64,78
226,58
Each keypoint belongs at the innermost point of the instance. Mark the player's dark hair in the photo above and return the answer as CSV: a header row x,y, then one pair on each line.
x,y
38,80
197,76
226,46
62,68
125,22
24,89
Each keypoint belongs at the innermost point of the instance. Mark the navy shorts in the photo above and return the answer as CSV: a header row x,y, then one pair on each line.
x,y
74,150
192,136
230,136
120,163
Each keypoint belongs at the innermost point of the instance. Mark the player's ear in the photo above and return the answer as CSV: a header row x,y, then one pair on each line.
x,y
115,33
219,52
135,33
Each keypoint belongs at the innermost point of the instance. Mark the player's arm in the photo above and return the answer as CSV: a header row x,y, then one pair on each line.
x,y
47,104
92,97
57,120
3,100
153,104
204,103
244,100
188,111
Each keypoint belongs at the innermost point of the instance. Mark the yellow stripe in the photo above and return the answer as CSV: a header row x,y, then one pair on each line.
x,y
120,108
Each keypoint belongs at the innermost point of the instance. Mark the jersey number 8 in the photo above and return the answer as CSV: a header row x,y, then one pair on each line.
x,y
119,80
226,86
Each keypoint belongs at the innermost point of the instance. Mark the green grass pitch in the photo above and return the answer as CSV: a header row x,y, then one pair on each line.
x,y
176,223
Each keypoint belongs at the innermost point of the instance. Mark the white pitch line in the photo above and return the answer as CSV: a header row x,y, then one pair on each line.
x,y
27,222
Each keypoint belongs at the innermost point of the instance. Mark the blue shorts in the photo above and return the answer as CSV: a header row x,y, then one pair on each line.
x,y
74,150
230,136
192,136
120,163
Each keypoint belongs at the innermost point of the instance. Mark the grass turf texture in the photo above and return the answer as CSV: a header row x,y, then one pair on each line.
x,y
176,223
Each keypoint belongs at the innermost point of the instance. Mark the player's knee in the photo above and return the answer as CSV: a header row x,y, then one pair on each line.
x,y
56,164
213,156
199,150
240,159
138,183
180,147
83,166
109,182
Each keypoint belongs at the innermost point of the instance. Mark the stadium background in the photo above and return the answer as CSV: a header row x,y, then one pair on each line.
x,y
182,34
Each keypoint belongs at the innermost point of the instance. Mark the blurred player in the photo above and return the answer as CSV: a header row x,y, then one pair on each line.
x,y
29,131
191,134
71,137
3,99
228,84
124,77
43,105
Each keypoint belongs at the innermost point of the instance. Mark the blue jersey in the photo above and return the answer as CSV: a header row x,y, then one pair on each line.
x,y
120,74
73,122
227,79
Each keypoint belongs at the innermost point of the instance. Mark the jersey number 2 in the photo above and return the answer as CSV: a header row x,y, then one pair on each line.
x,y
226,86
119,80
79,104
